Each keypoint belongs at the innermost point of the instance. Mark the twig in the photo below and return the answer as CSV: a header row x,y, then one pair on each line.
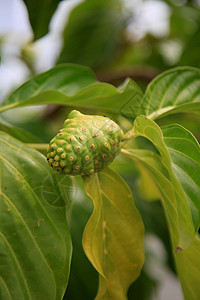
x,y
40,147
143,73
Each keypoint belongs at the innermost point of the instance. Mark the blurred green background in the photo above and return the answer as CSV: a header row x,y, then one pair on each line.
x,y
117,39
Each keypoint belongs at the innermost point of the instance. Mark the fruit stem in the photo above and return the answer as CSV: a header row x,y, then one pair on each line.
x,y
125,152
40,147
129,135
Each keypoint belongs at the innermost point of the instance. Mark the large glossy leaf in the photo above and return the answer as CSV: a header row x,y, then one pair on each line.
x,y
40,13
177,90
93,33
153,165
48,86
184,151
113,236
149,129
187,260
180,153
71,85
35,244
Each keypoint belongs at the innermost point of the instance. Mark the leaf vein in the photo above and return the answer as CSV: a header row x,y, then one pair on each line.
x,y
35,195
17,262
30,233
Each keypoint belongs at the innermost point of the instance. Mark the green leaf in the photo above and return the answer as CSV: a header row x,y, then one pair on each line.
x,y
113,236
187,260
35,244
190,55
153,165
74,86
184,151
179,151
40,13
20,134
147,128
177,90
48,86
94,33
188,266
184,21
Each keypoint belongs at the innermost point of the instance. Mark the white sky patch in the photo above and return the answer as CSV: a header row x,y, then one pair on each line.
x,y
14,22
147,17
48,48
171,50
12,74
16,33
168,284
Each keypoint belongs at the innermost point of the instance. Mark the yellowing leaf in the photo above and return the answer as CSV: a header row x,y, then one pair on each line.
x,y
113,236
147,186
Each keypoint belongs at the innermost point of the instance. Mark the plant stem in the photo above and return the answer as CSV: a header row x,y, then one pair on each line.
x,y
40,147
129,135
125,152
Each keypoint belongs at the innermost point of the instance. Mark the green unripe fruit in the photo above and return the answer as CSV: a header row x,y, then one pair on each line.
x,y
85,145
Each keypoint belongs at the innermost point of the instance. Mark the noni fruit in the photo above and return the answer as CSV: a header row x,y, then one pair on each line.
x,y
85,145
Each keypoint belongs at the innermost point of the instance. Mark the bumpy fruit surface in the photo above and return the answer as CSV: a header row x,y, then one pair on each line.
x,y
85,145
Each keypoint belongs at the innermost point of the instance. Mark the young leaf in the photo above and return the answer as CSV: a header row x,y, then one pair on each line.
x,y
113,236
177,90
35,244
75,86
147,128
